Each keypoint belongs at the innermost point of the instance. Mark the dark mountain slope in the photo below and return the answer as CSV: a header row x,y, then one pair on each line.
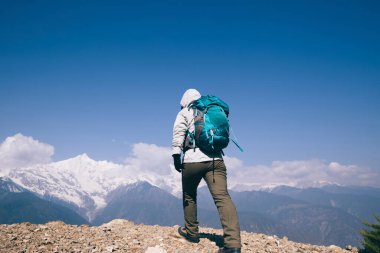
x,y
16,207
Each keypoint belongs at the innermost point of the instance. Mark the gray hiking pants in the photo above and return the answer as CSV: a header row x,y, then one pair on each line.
x,y
216,181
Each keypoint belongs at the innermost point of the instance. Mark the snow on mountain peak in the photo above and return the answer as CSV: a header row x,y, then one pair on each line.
x,y
78,160
80,181
84,156
7,184
85,183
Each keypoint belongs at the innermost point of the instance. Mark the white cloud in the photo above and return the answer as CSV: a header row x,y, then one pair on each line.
x,y
20,151
304,173
150,158
154,164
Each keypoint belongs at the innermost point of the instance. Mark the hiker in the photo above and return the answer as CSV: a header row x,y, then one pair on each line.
x,y
196,165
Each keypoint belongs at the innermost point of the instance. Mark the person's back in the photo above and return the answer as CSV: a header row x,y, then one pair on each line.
x,y
185,123
196,165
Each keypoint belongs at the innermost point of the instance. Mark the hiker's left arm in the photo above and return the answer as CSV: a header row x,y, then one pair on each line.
x,y
179,133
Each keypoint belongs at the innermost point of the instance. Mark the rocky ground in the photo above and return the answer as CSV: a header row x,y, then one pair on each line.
x,y
125,236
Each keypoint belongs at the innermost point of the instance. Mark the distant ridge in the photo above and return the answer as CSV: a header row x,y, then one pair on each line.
x,y
19,205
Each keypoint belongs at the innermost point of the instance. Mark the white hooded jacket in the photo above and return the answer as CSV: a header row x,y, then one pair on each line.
x,y
184,122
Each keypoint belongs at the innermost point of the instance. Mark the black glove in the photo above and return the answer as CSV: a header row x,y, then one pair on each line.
x,y
177,162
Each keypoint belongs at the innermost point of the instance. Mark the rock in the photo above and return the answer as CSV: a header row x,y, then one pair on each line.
x,y
352,249
110,249
106,229
155,249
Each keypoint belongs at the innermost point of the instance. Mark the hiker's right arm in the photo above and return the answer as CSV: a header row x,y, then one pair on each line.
x,y
179,132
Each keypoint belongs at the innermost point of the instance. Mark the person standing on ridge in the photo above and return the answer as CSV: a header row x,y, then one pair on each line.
x,y
195,165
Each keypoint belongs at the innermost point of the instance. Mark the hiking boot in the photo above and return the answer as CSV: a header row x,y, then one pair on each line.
x,y
183,233
229,250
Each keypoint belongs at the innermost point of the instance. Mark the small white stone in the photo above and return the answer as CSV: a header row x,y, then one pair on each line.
x,y
155,249
110,249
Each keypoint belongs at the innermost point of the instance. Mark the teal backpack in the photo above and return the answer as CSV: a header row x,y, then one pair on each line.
x,y
211,126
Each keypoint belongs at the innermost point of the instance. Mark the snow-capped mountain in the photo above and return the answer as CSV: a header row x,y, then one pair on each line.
x,y
82,182
7,185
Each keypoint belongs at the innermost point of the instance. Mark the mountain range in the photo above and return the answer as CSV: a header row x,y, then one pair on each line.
x,y
18,205
80,190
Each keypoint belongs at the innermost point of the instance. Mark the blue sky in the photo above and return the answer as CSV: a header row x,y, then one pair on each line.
x,y
301,77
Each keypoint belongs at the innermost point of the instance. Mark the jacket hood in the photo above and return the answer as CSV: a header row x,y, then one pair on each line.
x,y
189,96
